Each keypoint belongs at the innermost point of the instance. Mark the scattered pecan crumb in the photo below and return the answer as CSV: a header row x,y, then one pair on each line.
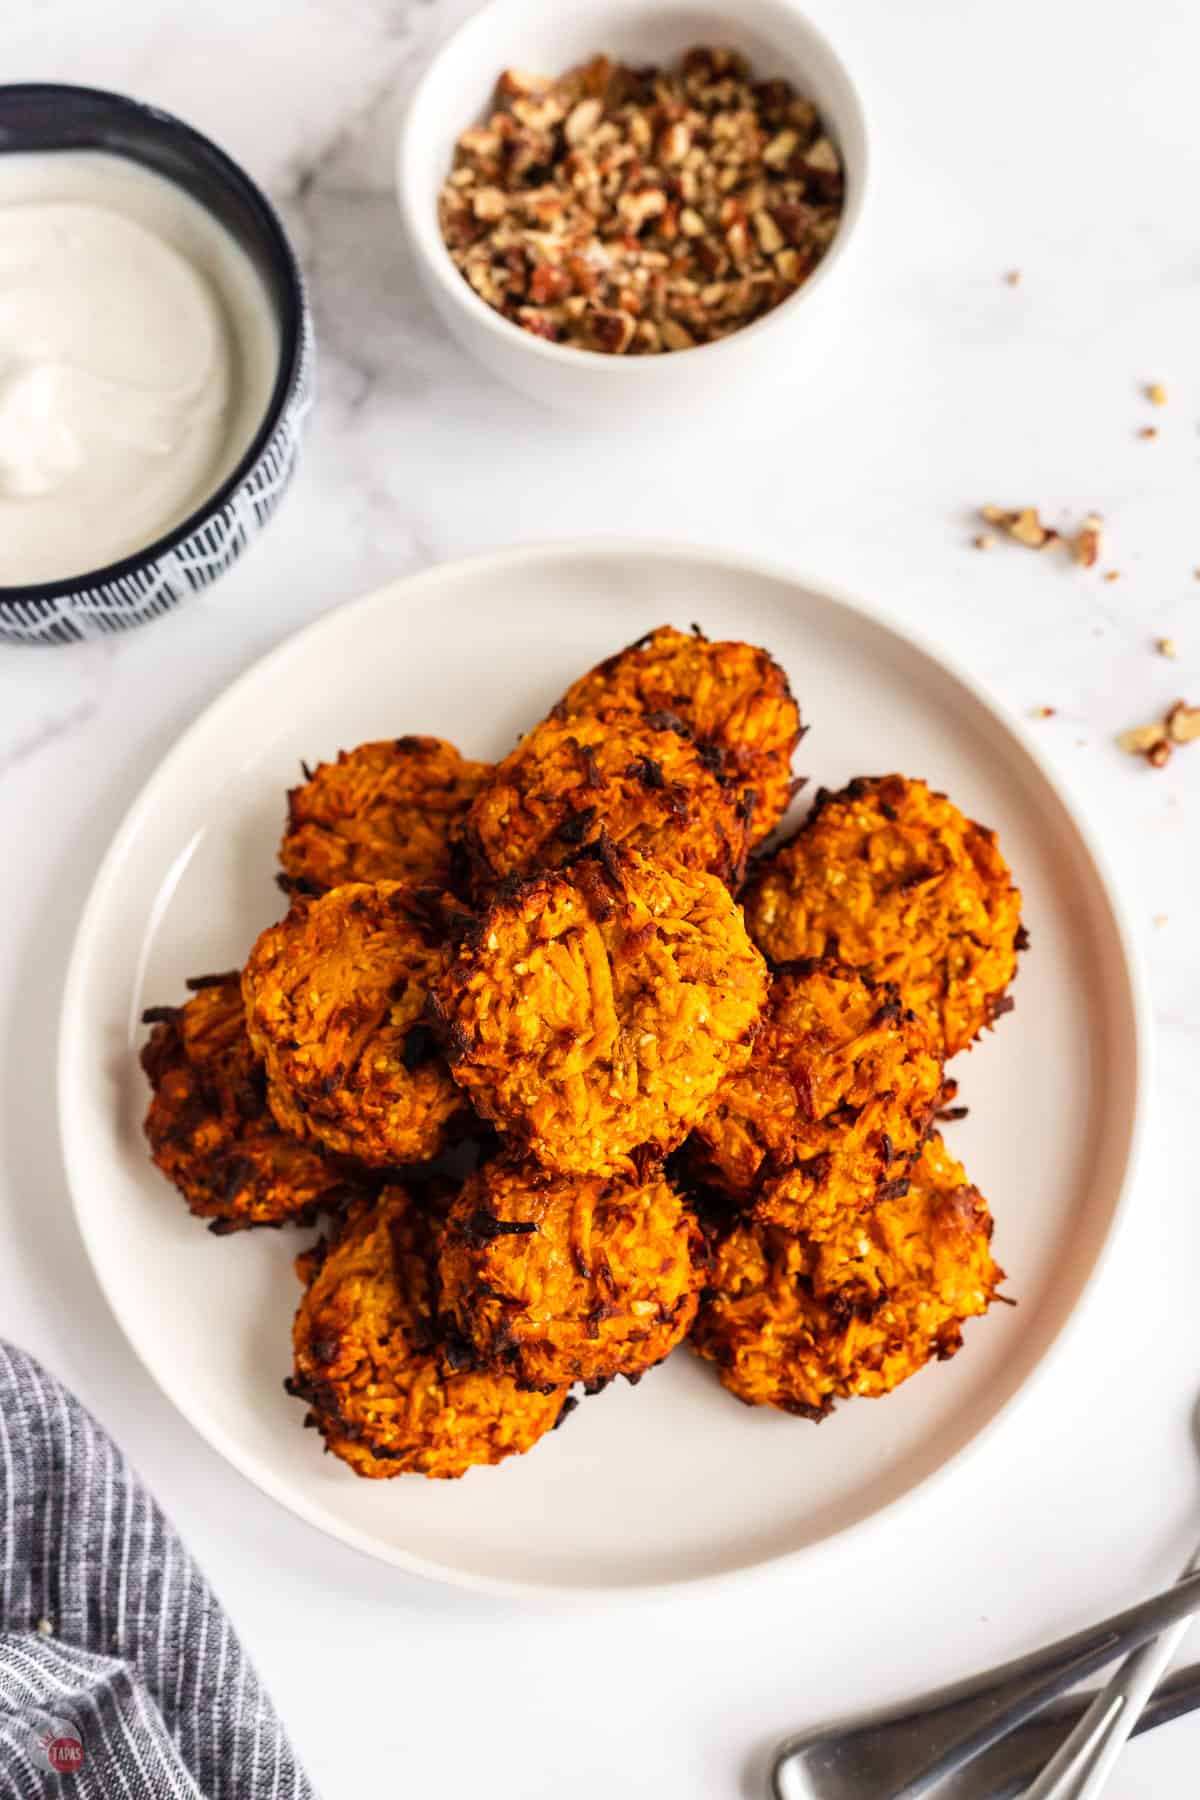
x,y
1044,712
1148,431
642,210
1088,541
1022,524
1156,740
1156,393
1027,528
1183,723
984,541
1142,738
1013,277
1112,575
1166,647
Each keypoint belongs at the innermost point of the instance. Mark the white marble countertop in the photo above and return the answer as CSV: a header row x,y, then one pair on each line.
x,y
1044,139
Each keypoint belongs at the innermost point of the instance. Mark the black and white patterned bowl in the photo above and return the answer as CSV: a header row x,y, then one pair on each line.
x,y
48,116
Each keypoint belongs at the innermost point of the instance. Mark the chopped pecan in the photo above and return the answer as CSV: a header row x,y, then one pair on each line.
x,y
1183,723
1088,541
1024,525
640,211
1157,740
582,120
1142,739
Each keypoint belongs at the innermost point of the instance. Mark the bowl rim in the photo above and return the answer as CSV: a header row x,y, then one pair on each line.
x,y
293,334
432,253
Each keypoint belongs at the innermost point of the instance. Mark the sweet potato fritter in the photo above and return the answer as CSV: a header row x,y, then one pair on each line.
x,y
893,879
558,1278
334,1000
733,698
383,812
368,1357
209,1126
592,1012
933,1237
789,1325
569,779
841,1080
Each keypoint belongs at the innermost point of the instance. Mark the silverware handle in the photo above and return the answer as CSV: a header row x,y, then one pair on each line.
x,y
905,1751
1008,1768
1080,1768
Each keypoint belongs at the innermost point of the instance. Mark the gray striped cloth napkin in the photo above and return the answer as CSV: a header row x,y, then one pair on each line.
x,y
120,1676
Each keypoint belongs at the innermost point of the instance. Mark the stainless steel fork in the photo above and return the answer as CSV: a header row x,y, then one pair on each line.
x,y
905,1752
1014,1762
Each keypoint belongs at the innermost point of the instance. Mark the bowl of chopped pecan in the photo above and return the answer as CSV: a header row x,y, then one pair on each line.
x,y
627,193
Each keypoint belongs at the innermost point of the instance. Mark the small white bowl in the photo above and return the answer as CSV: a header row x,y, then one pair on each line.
x,y
548,38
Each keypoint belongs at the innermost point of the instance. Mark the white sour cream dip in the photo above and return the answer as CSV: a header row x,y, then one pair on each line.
x,y
138,351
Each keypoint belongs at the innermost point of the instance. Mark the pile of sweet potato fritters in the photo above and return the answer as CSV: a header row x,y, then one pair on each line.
x,y
696,1088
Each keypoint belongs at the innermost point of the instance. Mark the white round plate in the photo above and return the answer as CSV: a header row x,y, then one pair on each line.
x,y
673,1480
